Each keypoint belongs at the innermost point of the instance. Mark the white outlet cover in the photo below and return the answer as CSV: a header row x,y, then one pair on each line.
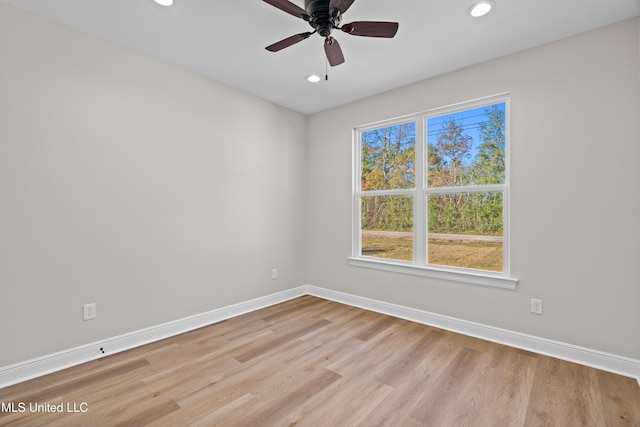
x,y
536,306
89,311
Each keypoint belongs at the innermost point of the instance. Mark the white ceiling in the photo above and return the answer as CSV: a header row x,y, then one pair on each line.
x,y
225,40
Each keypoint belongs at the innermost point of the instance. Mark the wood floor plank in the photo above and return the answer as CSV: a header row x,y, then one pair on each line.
x,y
239,382
271,344
508,386
395,410
292,309
377,327
314,362
563,393
621,398
407,360
473,396
380,349
351,399
139,413
279,406
438,402
337,332
227,415
45,394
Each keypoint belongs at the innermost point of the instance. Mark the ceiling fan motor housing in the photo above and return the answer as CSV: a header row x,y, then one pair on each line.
x,y
321,18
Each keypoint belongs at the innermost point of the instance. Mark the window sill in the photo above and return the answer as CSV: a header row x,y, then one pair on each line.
x,y
476,278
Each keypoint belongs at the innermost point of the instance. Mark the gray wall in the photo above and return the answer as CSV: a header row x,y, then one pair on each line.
x,y
153,192
575,205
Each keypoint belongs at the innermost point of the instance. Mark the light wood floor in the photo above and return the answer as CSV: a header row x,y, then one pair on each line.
x,y
312,362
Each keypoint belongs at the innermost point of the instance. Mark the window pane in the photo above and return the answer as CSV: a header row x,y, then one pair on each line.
x,y
388,157
387,227
467,148
466,230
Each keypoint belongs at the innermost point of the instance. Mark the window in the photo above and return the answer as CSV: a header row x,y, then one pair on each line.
x,y
387,182
431,194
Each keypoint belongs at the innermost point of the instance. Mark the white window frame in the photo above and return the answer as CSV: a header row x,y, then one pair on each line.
x,y
420,192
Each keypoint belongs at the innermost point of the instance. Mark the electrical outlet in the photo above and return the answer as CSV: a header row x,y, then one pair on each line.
x,y
274,273
89,311
536,306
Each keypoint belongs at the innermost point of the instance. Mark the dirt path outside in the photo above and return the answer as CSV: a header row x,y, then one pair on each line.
x,y
435,236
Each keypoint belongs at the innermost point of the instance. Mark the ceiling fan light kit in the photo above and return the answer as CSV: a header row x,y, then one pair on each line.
x,y
324,16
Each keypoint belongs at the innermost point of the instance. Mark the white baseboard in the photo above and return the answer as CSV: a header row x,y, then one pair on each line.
x,y
37,367
584,356
33,368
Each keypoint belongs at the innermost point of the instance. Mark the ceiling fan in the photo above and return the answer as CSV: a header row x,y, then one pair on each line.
x,y
324,16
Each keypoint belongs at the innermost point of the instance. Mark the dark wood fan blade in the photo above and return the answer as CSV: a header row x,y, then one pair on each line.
x,y
287,42
288,7
371,29
333,51
341,5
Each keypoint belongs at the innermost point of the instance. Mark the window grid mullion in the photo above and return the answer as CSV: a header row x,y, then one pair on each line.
x,y
419,202
467,189
356,187
371,193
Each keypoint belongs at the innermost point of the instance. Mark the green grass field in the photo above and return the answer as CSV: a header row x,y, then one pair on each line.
x,y
477,255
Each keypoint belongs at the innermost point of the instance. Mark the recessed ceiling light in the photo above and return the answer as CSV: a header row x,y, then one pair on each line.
x,y
481,8
313,78
164,2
